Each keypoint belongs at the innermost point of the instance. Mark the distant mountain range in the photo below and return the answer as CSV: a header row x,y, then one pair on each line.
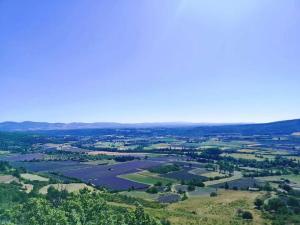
x,y
280,127
32,126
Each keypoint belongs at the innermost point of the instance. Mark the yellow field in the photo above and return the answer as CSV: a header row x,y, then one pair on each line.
x,y
4,152
115,153
33,177
248,156
100,162
236,175
247,150
7,179
213,174
220,210
27,187
72,187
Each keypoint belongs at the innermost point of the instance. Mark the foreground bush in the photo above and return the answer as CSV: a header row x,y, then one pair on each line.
x,y
84,208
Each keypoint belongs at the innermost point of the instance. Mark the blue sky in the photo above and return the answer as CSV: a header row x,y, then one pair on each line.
x,y
149,60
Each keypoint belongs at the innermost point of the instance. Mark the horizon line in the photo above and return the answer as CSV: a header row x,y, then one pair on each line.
x,y
161,122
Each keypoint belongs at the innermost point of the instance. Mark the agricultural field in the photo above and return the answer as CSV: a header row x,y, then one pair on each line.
x,y
146,177
33,177
158,146
247,150
249,156
240,184
184,180
7,178
236,176
45,166
4,152
22,157
72,187
206,210
202,191
100,162
108,176
292,178
199,171
109,145
116,153
213,174
141,194
183,174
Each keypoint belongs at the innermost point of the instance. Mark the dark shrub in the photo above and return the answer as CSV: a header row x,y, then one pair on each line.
x,y
152,190
191,188
246,215
258,203
213,194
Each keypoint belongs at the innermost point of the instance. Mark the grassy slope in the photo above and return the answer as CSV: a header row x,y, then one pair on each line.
x,y
220,210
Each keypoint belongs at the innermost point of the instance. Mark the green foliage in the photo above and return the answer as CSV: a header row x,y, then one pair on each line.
x,y
158,184
191,188
83,208
283,210
129,200
152,190
258,203
165,169
226,186
11,194
4,167
247,215
211,153
276,204
195,182
18,142
184,197
55,196
213,194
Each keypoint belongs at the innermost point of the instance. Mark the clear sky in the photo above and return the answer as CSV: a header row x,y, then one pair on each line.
x,y
149,60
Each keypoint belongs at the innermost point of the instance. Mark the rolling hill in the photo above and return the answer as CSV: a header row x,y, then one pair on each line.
x,y
191,129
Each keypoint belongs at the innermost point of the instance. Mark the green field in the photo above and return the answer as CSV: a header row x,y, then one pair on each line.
x,y
141,194
146,177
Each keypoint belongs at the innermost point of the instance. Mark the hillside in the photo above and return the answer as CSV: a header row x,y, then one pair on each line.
x,y
189,129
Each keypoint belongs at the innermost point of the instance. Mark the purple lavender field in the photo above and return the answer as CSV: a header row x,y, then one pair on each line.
x,y
107,176
23,157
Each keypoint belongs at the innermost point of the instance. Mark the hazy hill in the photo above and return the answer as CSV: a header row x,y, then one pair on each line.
x,y
31,126
281,127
